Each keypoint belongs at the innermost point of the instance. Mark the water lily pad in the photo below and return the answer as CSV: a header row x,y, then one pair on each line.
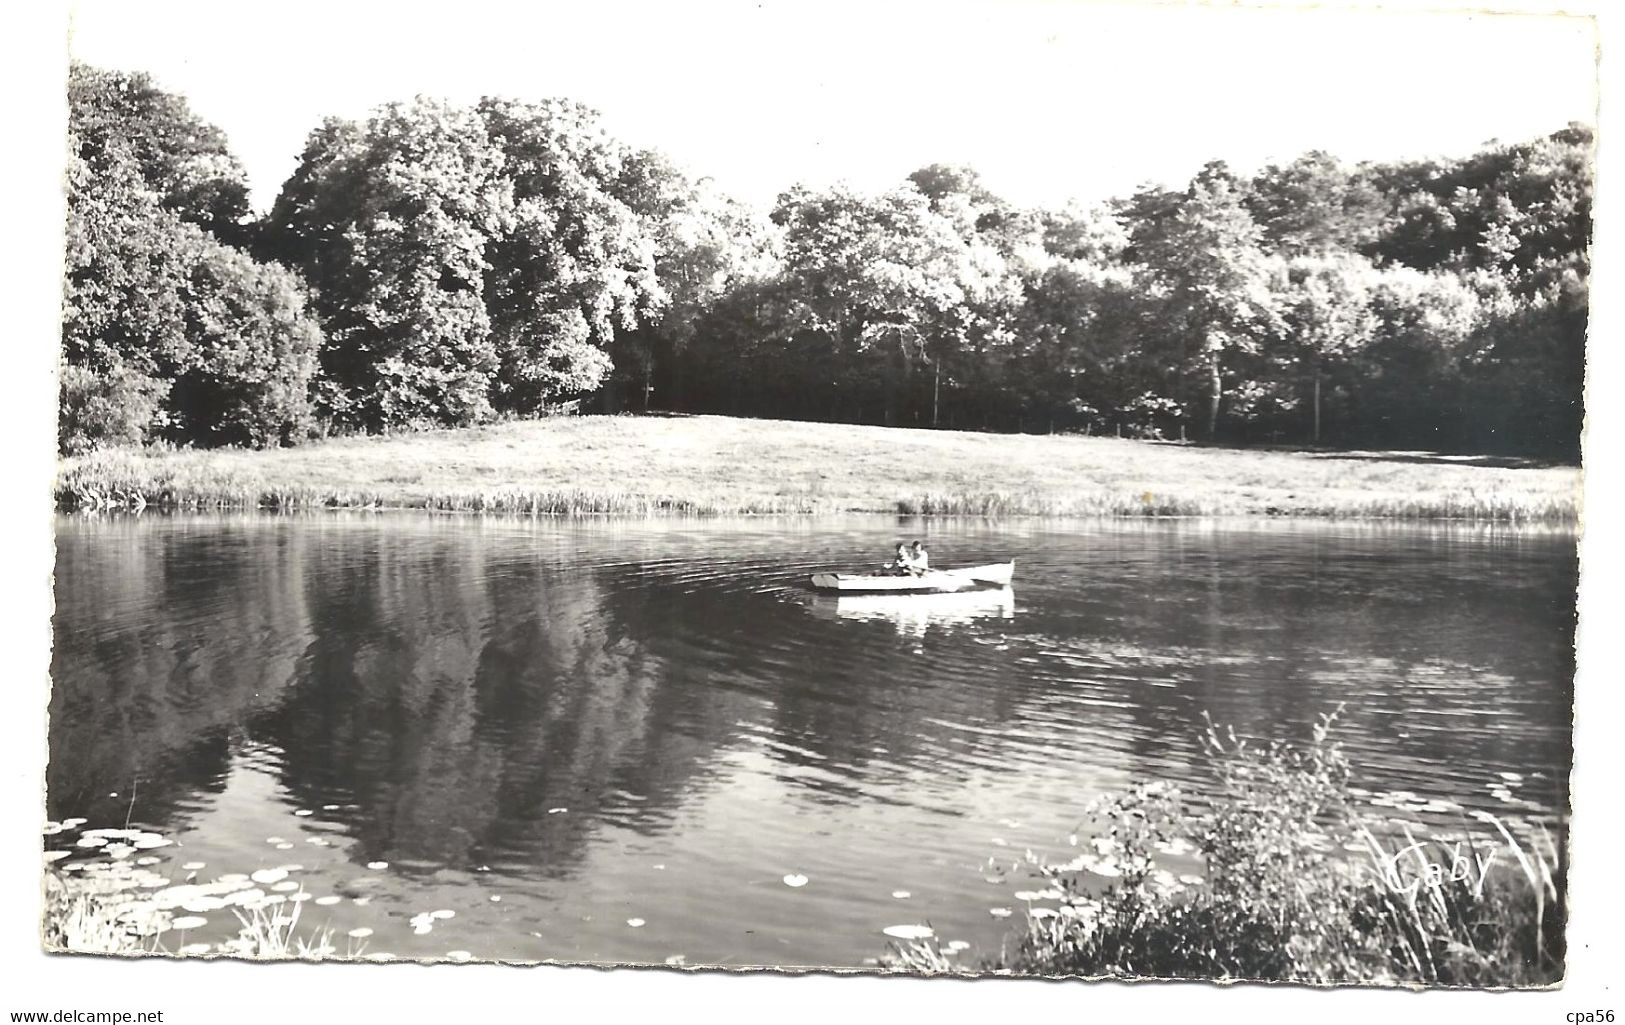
x,y
267,876
999,912
205,903
496,898
328,901
56,855
901,894
677,960
284,846
955,946
1102,867
795,879
91,841
636,923
175,896
72,823
190,922
360,933
1043,913
557,811
443,913
194,949
377,866
459,955
302,812
909,932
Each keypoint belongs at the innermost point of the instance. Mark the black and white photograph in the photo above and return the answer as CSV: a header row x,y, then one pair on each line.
x,y
1073,490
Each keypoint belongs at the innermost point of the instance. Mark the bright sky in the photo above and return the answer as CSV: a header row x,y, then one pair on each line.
x,y
1048,100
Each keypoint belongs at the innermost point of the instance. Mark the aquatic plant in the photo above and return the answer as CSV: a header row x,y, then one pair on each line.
x,y
1295,885
106,902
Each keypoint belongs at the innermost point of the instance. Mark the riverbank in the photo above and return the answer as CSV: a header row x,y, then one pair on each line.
x,y
706,465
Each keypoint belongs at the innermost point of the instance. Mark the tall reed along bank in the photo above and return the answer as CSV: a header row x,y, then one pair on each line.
x,y
709,465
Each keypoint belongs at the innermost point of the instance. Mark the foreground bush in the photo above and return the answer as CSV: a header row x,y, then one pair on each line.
x,y
1298,888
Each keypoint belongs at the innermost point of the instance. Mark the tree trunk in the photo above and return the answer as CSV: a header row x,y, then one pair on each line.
x,y
936,394
648,383
1215,390
1317,405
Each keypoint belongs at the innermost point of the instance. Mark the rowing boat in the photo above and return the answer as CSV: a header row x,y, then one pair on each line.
x,y
934,581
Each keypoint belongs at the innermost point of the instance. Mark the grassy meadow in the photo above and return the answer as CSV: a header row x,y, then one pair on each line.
x,y
707,465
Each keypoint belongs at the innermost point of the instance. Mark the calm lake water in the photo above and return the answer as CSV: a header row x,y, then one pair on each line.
x,y
553,728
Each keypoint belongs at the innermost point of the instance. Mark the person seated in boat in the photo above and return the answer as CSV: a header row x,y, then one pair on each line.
x,y
899,564
919,561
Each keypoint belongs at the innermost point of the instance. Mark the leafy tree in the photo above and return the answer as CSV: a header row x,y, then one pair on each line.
x,y
1411,372
168,333
1092,234
254,353
1315,205
577,264
1525,374
1327,319
468,261
1205,269
123,121
1523,208
389,221
706,244
887,280
1077,361
975,346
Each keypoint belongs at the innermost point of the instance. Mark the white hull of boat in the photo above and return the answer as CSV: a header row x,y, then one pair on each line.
x,y
935,581
912,613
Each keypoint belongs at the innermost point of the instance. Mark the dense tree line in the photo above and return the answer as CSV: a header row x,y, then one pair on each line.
x,y
446,265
